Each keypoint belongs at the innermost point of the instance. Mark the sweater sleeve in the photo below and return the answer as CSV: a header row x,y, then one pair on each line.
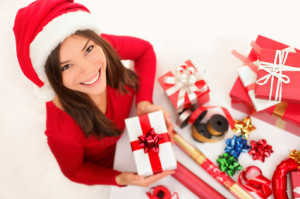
x,y
69,154
142,54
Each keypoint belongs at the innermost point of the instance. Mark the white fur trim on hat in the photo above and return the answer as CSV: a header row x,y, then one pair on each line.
x,y
54,33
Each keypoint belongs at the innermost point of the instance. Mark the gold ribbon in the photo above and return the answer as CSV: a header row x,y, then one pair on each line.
x,y
295,155
280,109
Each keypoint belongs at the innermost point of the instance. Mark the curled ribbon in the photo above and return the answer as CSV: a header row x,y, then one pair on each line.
x,y
274,70
259,184
228,164
236,145
260,150
184,81
149,141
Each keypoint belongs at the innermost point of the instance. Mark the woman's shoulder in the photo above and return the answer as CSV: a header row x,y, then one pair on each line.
x,y
59,122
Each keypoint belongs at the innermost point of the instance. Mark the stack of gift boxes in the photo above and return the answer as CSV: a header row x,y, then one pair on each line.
x,y
268,88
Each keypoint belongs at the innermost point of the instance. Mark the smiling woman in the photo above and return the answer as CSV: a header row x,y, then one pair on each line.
x,y
88,92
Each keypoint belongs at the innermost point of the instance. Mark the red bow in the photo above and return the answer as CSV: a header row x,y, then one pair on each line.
x,y
260,150
149,141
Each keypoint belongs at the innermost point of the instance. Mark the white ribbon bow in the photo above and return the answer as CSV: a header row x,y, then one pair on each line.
x,y
274,70
184,81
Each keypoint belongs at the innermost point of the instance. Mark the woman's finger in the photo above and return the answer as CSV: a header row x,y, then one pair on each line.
x,y
154,178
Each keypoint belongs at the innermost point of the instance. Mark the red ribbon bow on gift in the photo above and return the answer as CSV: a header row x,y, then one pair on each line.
x,y
259,184
260,150
149,141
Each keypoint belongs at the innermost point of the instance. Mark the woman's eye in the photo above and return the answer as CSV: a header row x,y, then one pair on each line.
x,y
65,67
89,49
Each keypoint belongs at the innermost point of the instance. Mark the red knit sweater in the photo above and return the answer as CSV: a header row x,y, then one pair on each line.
x,y
90,160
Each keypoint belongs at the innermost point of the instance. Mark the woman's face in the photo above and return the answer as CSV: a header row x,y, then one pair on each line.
x,y
83,65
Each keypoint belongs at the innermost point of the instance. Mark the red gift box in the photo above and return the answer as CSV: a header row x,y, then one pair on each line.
x,y
278,76
295,181
185,88
248,73
283,115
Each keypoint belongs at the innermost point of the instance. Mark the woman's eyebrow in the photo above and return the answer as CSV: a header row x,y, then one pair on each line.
x,y
64,62
85,45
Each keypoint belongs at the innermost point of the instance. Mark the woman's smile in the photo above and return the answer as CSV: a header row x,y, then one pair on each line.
x,y
93,81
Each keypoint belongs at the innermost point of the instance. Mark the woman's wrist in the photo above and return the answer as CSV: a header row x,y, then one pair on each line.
x,y
140,107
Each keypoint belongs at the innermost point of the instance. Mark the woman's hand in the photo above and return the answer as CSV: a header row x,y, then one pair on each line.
x,y
128,178
146,107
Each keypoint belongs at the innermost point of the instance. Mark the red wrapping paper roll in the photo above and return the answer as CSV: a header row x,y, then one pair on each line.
x,y
195,184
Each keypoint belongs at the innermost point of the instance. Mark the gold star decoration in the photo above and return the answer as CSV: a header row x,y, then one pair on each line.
x,y
244,127
296,156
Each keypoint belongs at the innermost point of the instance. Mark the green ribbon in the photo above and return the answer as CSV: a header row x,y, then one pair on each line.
x,y
227,163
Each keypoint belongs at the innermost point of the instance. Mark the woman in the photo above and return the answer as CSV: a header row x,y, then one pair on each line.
x,y
88,91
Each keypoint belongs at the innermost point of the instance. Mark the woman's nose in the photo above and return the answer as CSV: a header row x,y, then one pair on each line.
x,y
85,66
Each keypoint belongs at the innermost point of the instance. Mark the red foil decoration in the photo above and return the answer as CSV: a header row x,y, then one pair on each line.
x,y
161,192
149,141
259,184
260,150
280,177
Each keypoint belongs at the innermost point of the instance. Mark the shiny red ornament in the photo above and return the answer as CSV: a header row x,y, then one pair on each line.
x,y
161,192
279,180
149,141
260,150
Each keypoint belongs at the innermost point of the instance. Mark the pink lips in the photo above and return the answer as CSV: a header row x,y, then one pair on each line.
x,y
93,80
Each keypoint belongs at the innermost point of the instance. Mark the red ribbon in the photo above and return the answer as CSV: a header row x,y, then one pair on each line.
x,y
150,141
200,110
260,150
259,184
161,192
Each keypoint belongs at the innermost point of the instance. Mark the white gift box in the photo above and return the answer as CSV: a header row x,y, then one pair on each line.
x,y
248,78
144,161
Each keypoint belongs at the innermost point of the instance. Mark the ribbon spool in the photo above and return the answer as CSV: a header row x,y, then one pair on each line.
x,y
182,120
212,131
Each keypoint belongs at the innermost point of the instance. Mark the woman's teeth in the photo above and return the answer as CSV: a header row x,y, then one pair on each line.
x,y
93,80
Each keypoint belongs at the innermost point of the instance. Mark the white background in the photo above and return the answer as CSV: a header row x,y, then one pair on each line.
x,y
204,31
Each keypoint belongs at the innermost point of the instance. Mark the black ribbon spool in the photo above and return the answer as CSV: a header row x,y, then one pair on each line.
x,y
212,131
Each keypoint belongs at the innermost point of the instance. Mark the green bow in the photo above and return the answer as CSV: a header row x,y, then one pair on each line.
x,y
228,164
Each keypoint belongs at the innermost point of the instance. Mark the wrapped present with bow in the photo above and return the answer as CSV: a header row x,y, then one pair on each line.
x,y
186,87
295,182
248,73
278,75
283,115
150,143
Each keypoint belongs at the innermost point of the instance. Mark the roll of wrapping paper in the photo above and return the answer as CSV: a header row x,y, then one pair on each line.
x,y
195,184
211,168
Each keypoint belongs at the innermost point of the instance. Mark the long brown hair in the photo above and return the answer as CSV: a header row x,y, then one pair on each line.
x,y
78,104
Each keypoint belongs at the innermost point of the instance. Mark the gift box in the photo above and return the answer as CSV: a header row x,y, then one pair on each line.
x,y
185,87
283,115
295,182
150,143
278,76
248,73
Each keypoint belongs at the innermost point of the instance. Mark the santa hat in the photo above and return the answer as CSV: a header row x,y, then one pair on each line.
x,y
39,28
